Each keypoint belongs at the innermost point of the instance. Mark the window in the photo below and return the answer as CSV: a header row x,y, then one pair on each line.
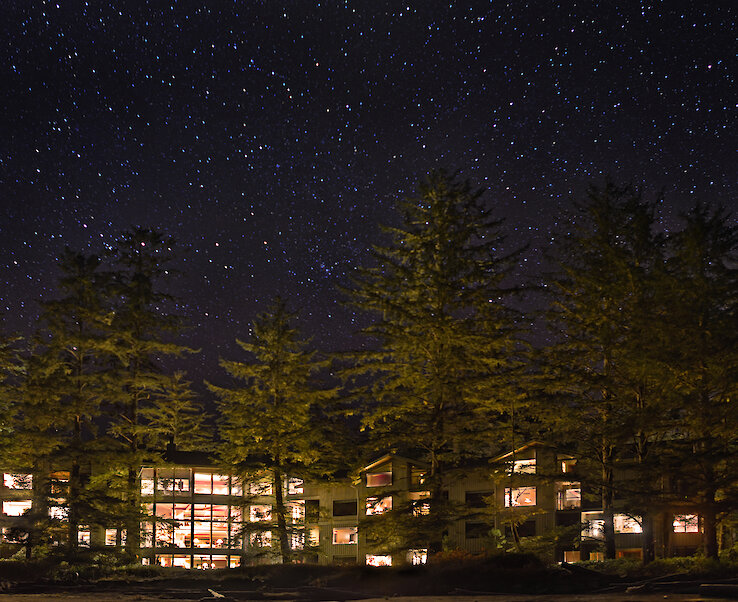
x,y
379,479
313,536
312,511
171,483
83,536
147,481
260,512
417,557
344,508
593,525
627,524
567,465
344,535
295,486
111,537
378,505
203,482
260,539
520,496
686,523
260,488
147,535
16,508
527,466
220,484
18,481
297,511
476,499
420,502
568,495
378,560
58,512
476,530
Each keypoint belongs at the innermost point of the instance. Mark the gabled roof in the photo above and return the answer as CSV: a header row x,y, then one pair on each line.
x,y
520,449
388,457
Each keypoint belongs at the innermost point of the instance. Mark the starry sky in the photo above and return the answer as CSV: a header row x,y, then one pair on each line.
x,y
270,138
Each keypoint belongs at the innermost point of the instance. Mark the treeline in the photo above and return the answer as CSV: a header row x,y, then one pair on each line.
x,y
631,365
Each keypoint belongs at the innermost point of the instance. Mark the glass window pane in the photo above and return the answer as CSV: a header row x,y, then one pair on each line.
x,y
220,484
203,482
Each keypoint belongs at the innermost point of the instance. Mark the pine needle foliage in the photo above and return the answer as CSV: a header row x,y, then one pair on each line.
x,y
446,361
269,424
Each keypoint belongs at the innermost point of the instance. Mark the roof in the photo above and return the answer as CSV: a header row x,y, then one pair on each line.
x,y
392,456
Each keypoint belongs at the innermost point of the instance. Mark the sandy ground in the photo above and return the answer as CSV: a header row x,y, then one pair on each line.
x,y
122,597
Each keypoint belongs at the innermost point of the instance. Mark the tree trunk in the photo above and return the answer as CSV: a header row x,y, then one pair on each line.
x,y
608,527
709,518
284,542
648,550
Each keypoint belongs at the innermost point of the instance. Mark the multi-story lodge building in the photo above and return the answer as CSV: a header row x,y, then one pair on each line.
x,y
196,517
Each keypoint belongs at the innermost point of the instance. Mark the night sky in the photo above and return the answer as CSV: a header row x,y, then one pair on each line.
x,y
270,138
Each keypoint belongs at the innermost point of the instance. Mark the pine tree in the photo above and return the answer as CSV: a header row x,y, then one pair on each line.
x,y
143,330
702,345
447,354
76,362
604,381
174,417
268,425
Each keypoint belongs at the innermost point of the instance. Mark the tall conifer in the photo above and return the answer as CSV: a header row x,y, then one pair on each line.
x,y
446,353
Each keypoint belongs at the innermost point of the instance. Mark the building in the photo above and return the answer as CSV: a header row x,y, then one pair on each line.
x,y
196,517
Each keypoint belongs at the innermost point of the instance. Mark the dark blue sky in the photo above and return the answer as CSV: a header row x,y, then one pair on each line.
x,y
269,138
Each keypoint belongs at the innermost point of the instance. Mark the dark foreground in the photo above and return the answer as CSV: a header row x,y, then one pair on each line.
x,y
131,597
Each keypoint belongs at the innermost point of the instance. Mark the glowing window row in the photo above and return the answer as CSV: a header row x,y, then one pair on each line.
x,y
179,480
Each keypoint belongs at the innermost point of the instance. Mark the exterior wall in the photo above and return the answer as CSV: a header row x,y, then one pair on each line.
x,y
202,526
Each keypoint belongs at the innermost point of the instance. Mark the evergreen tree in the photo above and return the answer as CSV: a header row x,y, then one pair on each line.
x,y
75,362
268,425
174,417
602,371
143,330
702,347
447,354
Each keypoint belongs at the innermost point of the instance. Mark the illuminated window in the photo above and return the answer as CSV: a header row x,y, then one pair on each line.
x,y
379,479
203,482
172,479
220,512
18,481
16,507
203,511
417,557
420,501
297,511
295,486
147,535
377,505
260,488
220,484
313,536
181,560
568,495
297,540
627,524
527,466
234,562
344,535
260,512
202,537
58,512
111,537
377,560
83,536
147,481
520,496
260,539
220,535
686,523
236,487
